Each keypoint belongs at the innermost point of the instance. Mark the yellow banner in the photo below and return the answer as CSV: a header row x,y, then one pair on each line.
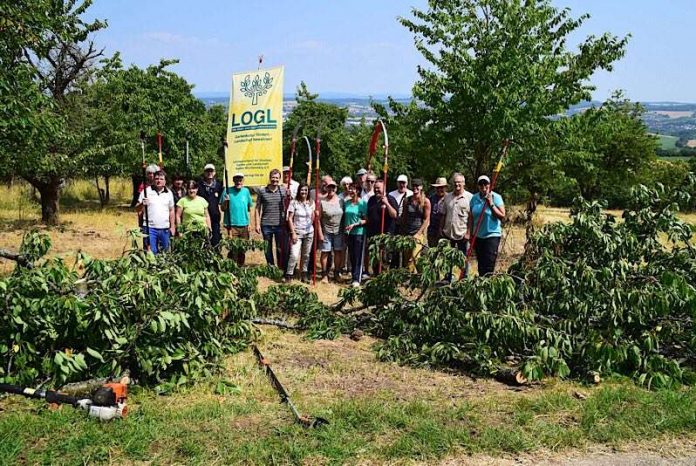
x,y
255,125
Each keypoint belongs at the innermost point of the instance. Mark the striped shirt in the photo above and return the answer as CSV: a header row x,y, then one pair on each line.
x,y
272,205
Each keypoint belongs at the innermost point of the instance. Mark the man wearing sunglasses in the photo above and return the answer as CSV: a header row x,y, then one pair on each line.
x,y
368,186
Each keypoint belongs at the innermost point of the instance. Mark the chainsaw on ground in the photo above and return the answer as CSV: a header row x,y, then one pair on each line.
x,y
107,402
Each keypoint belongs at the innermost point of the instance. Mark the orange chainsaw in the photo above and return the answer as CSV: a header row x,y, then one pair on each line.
x,y
106,402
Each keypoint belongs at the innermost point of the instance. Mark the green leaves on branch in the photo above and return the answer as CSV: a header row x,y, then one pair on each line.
x,y
166,319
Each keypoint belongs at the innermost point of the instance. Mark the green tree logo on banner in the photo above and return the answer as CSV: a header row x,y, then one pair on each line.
x,y
256,87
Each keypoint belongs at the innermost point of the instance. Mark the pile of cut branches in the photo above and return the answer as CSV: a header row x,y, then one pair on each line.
x,y
164,319
589,298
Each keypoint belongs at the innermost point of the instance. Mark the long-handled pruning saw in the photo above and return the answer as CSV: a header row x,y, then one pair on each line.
x,y
305,421
380,128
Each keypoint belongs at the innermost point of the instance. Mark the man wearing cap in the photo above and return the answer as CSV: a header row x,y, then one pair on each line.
x,y
401,192
270,218
293,184
490,205
436,213
159,202
455,218
236,204
149,181
210,189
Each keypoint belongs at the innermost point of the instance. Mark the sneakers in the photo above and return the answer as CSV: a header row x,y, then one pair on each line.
x,y
355,284
325,279
287,278
305,277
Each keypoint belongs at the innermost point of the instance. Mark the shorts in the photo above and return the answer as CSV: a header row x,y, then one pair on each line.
x,y
333,242
238,232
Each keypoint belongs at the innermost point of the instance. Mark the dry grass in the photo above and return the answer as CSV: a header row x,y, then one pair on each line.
x,y
102,232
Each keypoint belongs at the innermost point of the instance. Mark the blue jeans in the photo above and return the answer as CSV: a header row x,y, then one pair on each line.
x,y
278,232
159,239
355,252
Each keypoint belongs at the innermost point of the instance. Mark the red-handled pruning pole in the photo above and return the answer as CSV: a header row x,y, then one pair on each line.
x,y
285,247
496,171
380,127
159,149
309,160
293,149
316,201
145,214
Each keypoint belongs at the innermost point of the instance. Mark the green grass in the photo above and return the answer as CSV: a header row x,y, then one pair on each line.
x,y
199,428
667,142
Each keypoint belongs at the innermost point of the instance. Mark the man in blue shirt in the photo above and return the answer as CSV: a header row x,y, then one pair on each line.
x,y
491,206
236,204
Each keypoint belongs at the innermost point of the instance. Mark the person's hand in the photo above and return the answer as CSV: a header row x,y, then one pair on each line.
x,y
349,227
489,198
145,201
172,231
385,202
258,229
294,237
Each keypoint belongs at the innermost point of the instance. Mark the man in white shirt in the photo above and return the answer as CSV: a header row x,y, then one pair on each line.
x,y
368,189
401,192
158,203
293,184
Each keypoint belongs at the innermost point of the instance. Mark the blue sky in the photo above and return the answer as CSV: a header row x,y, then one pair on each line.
x,y
358,47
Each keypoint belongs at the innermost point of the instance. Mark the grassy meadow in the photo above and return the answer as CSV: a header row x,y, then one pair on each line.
x,y
379,413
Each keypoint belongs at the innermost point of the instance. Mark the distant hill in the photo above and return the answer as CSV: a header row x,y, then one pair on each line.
x,y
676,119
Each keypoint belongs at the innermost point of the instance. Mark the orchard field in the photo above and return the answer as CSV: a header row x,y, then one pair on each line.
x,y
385,405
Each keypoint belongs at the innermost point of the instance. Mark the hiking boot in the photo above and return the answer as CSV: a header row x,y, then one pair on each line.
x,y
287,278
305,277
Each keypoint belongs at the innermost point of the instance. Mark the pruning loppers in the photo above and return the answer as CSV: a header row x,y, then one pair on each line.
x,y
305,421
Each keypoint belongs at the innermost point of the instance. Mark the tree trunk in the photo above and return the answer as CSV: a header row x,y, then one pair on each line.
x,y
50,194
49,191
107,189
100,192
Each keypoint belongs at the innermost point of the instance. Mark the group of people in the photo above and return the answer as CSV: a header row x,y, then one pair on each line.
x,y
290,216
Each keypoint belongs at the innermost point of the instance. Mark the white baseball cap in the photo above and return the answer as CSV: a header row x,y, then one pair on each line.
x,y
401,178
361,172
483,178
209,166
286,168
238,175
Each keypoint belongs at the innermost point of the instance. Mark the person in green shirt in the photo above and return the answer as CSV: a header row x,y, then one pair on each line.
x,y
354,218
192,210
